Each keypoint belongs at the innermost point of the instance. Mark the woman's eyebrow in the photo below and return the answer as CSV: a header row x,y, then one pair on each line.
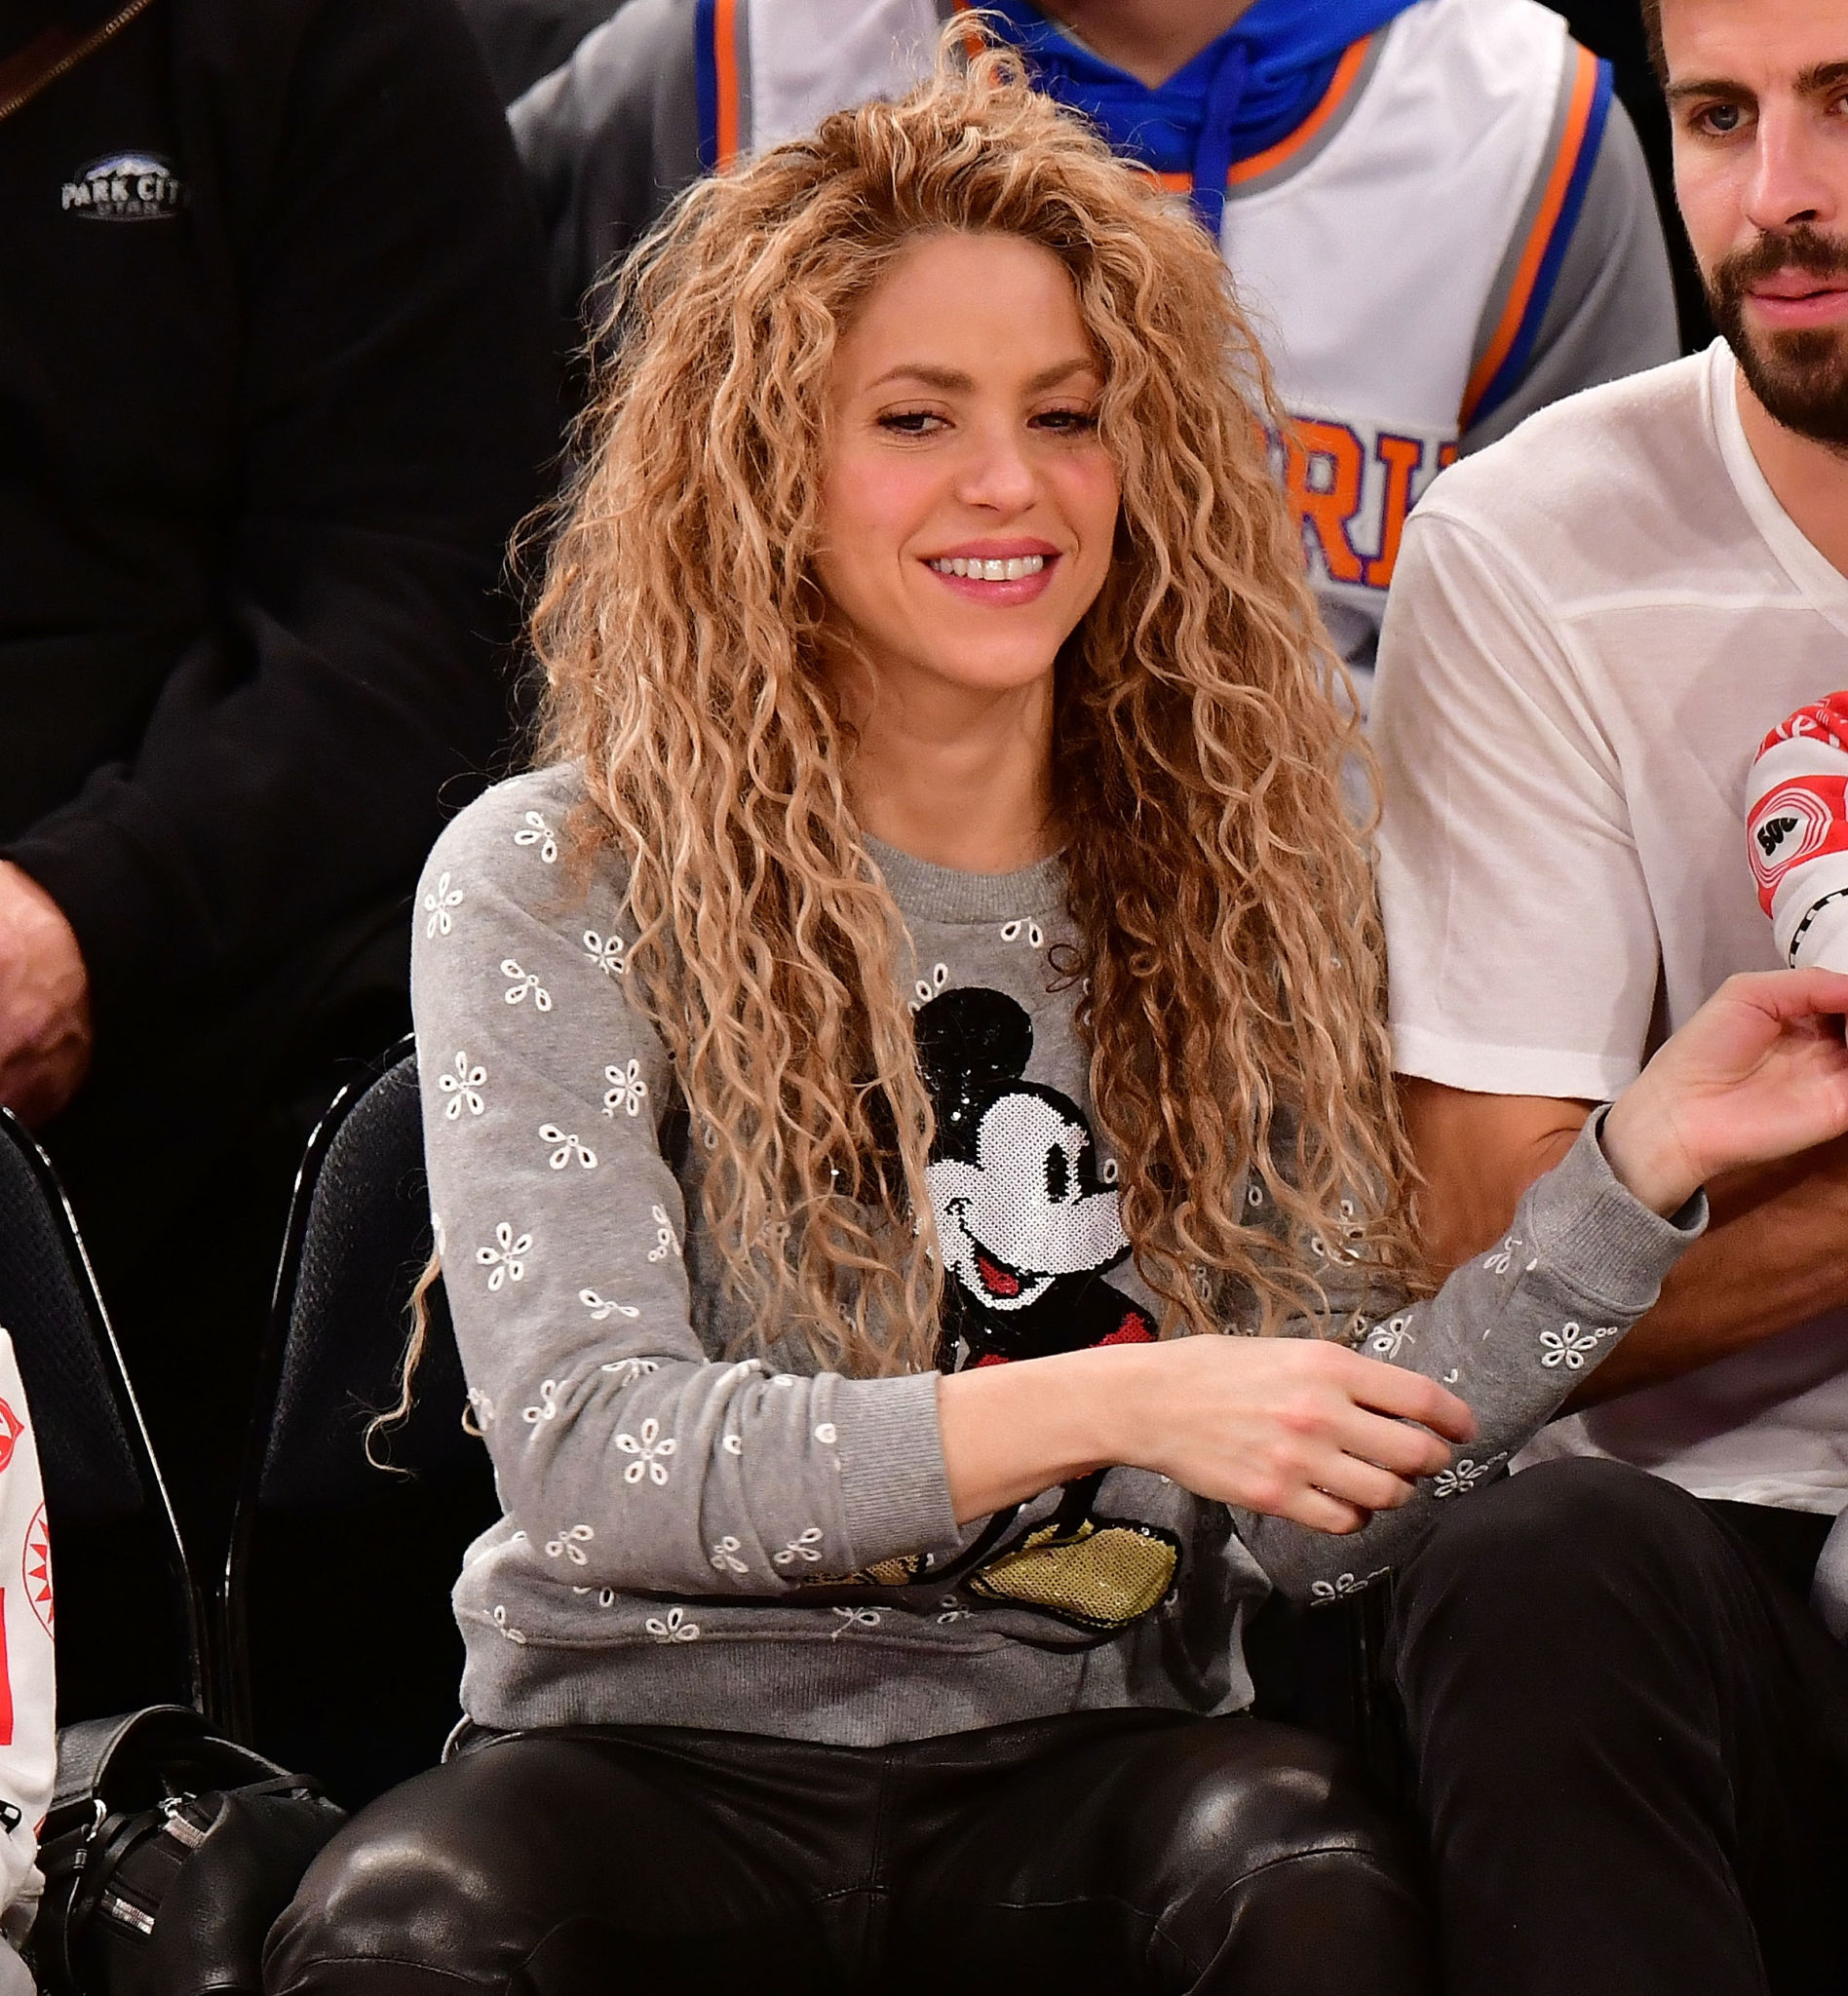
x,y
952,382
949,380
1062,370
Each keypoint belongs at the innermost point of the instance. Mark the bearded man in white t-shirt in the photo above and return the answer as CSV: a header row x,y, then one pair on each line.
x,y
1594,625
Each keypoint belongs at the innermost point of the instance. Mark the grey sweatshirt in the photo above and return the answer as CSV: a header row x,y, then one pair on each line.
x,y
691,1540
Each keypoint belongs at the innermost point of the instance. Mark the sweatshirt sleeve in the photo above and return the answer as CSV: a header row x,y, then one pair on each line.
x,y
1511,1333
620,1446
1797,833
394,408
29,1690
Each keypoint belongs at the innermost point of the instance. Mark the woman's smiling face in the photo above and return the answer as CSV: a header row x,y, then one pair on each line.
x,y
968,507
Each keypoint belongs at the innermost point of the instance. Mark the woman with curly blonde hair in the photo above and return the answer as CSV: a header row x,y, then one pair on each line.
x,y
928,992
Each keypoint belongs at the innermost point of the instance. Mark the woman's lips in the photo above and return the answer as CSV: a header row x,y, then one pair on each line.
x,y
1002,593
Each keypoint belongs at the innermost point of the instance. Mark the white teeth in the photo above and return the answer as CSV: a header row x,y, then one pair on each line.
x,y
1015,569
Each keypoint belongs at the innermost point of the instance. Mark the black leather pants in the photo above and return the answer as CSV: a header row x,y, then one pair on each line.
x,y
1112,1851
1632,1742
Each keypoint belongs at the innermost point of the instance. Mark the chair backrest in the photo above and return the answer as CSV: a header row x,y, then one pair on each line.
x,y
358,1239
362,1693
129,1625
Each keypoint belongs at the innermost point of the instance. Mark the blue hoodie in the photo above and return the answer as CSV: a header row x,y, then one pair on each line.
x,y
1243,93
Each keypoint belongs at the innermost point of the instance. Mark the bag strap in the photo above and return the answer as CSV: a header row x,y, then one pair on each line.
x,y
88,1829
53,54
87,1747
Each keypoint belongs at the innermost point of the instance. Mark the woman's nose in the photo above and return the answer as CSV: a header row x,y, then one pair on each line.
x,y
997,476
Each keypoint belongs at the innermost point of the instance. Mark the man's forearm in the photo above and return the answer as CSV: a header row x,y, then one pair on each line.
x,y
1775,1254
1476,1154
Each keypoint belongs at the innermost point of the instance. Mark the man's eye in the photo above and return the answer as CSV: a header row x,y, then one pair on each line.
x,y
1719,119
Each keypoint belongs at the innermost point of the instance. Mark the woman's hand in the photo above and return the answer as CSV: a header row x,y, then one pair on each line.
x,y
1759,1072
1299,1427
1295,1427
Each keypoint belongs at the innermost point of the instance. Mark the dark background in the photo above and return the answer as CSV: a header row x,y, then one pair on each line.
x,y
1613,29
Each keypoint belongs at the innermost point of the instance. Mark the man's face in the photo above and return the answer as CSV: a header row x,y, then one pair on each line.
x,y
1758,92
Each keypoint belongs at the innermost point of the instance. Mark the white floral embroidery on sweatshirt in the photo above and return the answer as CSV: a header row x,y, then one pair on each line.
x,y
566,1147
440,903
651,1450
665,1243
605,952
1570,1346
673,1626
628,1090
524,981
463,1086
535,832
507,1256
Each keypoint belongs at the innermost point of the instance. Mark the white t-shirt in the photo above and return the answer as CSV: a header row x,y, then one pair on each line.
x,y
1593,625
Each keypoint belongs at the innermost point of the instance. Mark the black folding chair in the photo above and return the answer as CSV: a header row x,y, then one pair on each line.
x,y
1324,1667
343,1657
128,1628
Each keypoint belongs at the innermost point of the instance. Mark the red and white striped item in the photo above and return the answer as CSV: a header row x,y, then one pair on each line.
x,y
1797,832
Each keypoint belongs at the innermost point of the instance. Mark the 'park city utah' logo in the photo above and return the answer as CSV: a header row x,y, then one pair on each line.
x,y
125,187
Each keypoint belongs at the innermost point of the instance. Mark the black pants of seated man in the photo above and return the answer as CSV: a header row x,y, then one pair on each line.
x,y
1105,1851
1631,1741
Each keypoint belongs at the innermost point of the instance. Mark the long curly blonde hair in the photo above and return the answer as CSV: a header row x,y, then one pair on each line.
x,y
1232,951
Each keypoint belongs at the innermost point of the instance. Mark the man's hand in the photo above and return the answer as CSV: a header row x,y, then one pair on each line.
x,y
1758,1073
45,1034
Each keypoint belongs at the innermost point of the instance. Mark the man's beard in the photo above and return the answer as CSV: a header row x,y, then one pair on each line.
x,y
1799,376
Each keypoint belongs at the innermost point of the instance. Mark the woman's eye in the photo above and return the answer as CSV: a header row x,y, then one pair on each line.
x,y
1066,422
911,422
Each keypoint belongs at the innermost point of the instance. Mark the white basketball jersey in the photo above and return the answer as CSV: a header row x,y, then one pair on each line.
x,y
1394,250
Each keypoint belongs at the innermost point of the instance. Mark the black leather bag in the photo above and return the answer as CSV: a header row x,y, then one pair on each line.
x,y
168,1852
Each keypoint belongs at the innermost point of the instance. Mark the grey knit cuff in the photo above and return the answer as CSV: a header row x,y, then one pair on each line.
x,y
895,1487
1597,1238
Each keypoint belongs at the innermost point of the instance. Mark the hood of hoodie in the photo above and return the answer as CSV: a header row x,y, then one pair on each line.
x,y
1239,95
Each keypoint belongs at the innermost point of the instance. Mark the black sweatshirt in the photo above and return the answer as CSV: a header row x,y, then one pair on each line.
x,y
275,384
524,40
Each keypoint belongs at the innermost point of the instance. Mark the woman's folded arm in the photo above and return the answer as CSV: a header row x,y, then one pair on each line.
x,y
625,1454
